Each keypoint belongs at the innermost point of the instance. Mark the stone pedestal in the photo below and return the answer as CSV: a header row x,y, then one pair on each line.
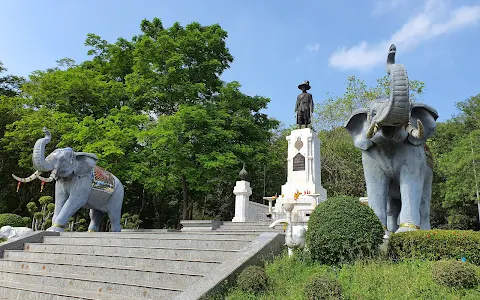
x,y
304,174
242,193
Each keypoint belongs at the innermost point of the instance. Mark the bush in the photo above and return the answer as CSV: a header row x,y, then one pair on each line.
x,y
2,240
322,287
253,279
342,229
12,220
435,245
455,274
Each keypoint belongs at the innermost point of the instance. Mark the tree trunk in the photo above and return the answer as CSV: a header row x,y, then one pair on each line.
x,y
184,198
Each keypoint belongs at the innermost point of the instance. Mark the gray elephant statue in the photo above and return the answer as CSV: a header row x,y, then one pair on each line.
x,y
396,161
79,183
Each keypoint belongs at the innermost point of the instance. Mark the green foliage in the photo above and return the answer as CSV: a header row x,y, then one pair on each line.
x,y
45,200
130,222
2,240
12,220
334,111
436,245
76,223
322,287
26,221
457,172
371,279
455,274
253,279
41,215
178,65
341,229
342,169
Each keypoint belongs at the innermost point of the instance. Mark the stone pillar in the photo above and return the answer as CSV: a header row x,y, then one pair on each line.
x,y
242,193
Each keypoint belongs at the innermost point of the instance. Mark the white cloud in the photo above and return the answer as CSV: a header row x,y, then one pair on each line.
x,y
384,6
435,20
313,48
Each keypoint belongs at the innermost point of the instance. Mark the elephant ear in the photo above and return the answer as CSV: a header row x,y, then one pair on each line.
x,y
86,161
428,116
357,126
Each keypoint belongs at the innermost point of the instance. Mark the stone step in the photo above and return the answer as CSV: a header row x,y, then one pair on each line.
x,y
208,235
202,267
139,277
21,290
248,231
77,282
266,223
249,227
151,252
232,244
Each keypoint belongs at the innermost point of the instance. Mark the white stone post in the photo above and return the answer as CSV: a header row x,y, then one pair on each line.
x,y
242,193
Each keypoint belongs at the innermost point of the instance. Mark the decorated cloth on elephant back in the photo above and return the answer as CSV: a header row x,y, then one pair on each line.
x,y
429,155
102,180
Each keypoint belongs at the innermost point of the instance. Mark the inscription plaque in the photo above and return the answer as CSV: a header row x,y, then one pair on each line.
x,y
299,162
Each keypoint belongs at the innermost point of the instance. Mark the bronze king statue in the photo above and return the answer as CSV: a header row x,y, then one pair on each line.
x,y
304,106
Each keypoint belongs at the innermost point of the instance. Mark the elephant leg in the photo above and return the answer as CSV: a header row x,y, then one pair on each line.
x,y
378,186
95,220
60,199
80,190
411,189
425,204
393,211
114,222
114,207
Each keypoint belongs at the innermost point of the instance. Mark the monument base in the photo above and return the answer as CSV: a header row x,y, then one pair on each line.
x,y
304,175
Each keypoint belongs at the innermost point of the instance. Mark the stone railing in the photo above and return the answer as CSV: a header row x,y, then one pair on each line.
x,y
256,211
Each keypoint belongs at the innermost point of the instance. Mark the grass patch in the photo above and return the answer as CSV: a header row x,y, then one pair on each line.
x,y
374,279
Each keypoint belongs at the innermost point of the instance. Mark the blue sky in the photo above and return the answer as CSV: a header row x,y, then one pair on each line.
x,y
277,44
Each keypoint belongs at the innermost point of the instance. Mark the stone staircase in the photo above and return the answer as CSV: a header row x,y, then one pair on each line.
x,y
154,264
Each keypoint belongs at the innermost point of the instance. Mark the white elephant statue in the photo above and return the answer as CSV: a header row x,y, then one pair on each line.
x,y
10,232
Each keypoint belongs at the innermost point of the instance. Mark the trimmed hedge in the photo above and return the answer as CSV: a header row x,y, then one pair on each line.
x,y
342,229
454,274
12,220
322,287
436,245
253,279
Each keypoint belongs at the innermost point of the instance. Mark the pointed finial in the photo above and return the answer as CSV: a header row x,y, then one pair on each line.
x,y
243,173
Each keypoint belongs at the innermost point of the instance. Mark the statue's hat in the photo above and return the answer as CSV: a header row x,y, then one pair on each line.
x,y
306,84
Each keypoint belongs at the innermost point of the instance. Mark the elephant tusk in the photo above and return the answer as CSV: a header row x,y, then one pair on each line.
x,y
28,179
416,132
50,178
372,130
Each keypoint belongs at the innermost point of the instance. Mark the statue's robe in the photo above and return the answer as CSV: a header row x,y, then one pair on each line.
x,y
304,108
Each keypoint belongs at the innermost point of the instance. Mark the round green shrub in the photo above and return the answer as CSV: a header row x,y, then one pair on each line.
x,y
253,279
342,229
455,274
12,220
322,287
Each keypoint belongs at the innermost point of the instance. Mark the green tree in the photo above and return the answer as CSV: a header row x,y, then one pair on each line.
x,y
455,189
177,65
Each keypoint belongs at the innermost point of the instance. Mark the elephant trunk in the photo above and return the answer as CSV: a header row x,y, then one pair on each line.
x,y
396,111
39,162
